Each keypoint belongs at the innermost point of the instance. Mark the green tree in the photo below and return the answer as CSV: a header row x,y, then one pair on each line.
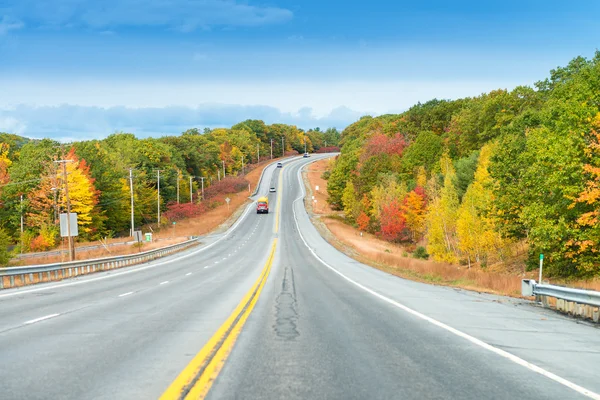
x,y
4,243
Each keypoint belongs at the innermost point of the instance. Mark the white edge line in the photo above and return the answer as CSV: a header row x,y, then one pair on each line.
x,y
33,321
130,271
133,270
472,339
125,294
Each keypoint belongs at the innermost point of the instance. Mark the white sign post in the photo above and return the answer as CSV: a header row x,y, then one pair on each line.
x,y
317,188
227,200
64,231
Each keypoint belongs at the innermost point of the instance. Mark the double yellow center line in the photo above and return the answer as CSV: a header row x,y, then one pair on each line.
x,y
196,379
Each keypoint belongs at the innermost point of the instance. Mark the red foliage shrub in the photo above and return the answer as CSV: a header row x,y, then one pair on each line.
x,y
363,221
328,149
176,212
229,184
380,143
39,243
393,222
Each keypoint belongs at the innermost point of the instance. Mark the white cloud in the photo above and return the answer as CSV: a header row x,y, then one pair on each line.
x,y
8,24
11,124
69,122
322,97
183,15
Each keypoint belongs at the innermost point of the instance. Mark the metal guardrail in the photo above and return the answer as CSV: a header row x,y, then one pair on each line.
x,y
530,287
18,276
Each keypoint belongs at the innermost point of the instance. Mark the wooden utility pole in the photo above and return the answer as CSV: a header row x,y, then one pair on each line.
x,y
202,179
271,149
69,237
177,186
158,195
21,224
191,197
131,195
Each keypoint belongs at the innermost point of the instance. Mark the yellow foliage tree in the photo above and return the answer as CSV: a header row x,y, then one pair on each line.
x,y
441,217
477,234
5,163
351,205
82,193
384,193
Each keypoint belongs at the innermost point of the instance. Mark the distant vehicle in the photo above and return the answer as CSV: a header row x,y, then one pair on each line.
x,y
262,205
306,155
279,165
272,190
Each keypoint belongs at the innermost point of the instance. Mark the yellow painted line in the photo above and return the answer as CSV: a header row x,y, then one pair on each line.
x,y
196,379
278,208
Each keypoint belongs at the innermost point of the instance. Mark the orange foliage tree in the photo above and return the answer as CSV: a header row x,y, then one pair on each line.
x,y
414,208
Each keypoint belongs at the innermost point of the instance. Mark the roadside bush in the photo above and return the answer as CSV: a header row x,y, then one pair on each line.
x,y
26,239
325,175
177,212
421,253
229,184
4,253
39,243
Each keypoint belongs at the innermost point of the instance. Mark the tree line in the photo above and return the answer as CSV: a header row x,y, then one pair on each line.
x,y
98,175
475,179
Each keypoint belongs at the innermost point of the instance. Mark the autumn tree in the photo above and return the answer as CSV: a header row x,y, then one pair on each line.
x,y
477,234
82,194
414,208
5,163
441,217
351,204
585,244
392,221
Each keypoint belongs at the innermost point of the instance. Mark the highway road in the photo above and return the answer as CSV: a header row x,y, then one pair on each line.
x,y
318,325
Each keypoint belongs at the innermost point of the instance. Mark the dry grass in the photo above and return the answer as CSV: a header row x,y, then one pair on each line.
x,y
314,172
198,226
497,279
393,259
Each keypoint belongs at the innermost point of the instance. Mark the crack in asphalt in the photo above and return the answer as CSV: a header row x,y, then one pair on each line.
x,y
286,312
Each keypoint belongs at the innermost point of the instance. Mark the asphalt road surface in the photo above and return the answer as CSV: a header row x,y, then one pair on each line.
x,y
324,326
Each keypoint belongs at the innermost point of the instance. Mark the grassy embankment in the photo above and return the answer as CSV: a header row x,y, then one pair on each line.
x,y
504,279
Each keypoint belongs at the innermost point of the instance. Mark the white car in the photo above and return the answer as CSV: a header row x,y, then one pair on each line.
x,y
272,190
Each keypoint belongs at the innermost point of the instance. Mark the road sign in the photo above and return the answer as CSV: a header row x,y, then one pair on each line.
x,y
64,232
227,200
137,236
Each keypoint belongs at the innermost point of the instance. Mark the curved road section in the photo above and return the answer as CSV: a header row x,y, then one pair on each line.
x,y
269,310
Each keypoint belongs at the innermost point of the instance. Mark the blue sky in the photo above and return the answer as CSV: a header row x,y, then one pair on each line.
x,y
81,69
